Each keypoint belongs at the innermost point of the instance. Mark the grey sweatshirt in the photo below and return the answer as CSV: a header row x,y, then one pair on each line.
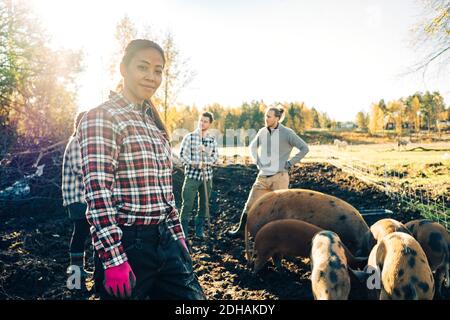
x,y
274,148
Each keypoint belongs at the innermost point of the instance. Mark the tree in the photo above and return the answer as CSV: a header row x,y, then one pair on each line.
x,y
230,121
9,74
333,124
376,118
38,83
315,117
362,120
175,118
382,105
428,109
308,117
177,74
8,62
257,114
396,110
325,121
295,114
439,104
301,117
245,116
125,32
415,111
432,36
292,115
217,111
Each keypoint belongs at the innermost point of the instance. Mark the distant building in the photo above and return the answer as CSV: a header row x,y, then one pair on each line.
x,y
443,125
389,126
349,125
389,122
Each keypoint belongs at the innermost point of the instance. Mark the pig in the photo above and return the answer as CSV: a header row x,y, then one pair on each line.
x,y
322,210
380,229
330,278
402,267
290,237
435,242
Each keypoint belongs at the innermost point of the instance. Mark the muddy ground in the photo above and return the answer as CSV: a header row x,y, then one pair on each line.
x,y
34,240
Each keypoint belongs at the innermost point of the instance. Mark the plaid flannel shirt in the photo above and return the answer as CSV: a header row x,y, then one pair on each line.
x,y
127,170
190,153
72,175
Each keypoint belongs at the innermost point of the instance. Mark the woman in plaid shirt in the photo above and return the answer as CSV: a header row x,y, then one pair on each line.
x,y
73,198
127,166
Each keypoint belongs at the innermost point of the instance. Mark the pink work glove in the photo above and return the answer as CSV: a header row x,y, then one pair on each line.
x,y
120,280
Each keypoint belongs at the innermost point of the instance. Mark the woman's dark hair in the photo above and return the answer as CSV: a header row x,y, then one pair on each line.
x,y
278,111
138,45
132,48
208,115
77,121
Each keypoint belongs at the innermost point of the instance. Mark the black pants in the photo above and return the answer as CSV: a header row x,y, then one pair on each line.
x,y
162,266
80,227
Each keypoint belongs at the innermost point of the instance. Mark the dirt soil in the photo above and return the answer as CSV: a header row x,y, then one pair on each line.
x,y
34,240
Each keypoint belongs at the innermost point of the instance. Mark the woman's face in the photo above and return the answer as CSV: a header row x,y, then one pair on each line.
x,y
143,75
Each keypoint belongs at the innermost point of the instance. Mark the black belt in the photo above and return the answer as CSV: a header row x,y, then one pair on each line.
x,y
145,227
151,231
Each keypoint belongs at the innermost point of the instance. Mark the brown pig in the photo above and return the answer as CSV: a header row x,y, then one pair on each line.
x,y
330,278
291,238
322,210
435,241
380,229
402,268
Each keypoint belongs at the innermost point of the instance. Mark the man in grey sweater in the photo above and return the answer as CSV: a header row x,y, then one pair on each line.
x,y
270,149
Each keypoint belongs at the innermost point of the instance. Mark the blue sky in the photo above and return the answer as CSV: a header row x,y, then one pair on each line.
x,y
336,56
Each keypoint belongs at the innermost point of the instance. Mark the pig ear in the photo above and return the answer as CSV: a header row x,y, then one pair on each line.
x,y
359,276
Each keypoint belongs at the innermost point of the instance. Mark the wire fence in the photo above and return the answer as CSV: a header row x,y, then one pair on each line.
x,y
430,199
